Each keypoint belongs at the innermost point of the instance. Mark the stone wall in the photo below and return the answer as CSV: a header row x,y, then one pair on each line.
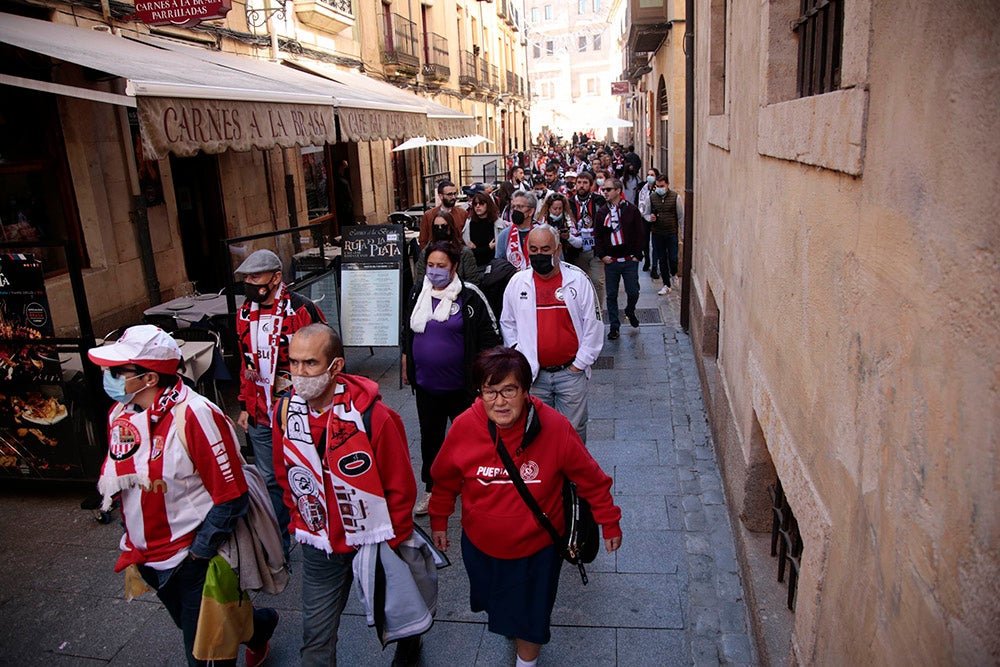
x,y
850,245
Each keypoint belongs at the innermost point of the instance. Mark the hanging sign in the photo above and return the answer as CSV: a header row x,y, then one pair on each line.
x,y
184,13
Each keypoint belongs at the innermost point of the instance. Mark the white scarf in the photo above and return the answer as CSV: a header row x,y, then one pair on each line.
x,y
422,311
266,366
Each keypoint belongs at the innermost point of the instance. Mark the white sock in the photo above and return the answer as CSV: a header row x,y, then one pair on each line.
x,y
521,662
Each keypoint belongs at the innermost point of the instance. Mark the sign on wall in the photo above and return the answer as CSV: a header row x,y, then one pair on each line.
x,y
620,88
183,13
371,293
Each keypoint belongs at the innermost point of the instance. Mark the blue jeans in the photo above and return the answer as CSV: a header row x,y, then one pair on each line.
x,y
566,392
263,454
613,273
326,583
665,249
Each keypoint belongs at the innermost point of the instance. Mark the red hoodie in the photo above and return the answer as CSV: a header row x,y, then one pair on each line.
x,y
392,459
494,515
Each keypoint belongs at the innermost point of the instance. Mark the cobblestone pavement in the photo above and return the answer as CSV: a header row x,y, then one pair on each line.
x,y
670,596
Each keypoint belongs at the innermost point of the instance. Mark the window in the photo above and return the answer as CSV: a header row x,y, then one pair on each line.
x,y
820,31
316,181
717,58
536,51
582,44
548,12
591,86
597,42
597,5
582,8
550,48
535,15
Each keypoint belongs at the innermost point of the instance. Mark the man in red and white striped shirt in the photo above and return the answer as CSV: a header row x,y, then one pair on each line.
x,y
173,456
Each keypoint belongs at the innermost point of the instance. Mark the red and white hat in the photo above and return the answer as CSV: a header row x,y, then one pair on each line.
x,y
143,345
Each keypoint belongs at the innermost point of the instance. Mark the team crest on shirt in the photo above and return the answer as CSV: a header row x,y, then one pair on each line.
x,y
454,309
124,441
529,471
559,294
311,512
157,452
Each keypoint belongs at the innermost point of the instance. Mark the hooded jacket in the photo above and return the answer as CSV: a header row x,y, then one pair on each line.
x,y
392,460
494,516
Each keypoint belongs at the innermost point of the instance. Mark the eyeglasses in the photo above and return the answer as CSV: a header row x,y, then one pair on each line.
x,y
510,391
608,189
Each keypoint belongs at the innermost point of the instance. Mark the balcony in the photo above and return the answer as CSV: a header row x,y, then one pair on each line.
x,y
648,26
468,77
436,69
399,46
511,83
494,79
502,10
485,84
329,15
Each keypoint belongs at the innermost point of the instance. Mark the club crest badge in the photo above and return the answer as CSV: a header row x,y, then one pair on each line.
x,y
124,441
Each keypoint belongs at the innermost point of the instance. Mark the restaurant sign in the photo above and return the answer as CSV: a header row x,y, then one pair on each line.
x,y
184,13
185,126
620,88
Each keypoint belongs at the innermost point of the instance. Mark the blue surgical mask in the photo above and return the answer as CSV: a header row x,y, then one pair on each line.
x,y
115,387
600,182
557,217
661,191
651,179
439,277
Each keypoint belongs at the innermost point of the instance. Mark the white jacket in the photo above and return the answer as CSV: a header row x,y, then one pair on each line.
x,y
519,323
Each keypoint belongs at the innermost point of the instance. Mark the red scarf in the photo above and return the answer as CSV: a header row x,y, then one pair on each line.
x,y
515,255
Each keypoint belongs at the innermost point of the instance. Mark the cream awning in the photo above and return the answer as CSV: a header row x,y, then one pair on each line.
x,y
443,122
191,99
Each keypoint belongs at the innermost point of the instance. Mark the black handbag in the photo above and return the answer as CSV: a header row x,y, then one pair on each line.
x,y
580,543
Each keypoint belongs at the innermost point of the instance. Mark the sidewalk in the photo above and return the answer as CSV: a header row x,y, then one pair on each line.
x,y
670,596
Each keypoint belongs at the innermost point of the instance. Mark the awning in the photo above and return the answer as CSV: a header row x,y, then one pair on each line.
x,y
191,99
470,141
443,122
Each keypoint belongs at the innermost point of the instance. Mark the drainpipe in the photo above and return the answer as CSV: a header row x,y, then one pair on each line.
x,y
688,164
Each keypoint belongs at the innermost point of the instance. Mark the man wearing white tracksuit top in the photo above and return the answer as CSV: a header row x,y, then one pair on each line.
x,y
550,314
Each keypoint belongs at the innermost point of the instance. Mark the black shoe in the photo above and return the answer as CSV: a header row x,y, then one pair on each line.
x,y
632,319
407,652
613,334
645,267
654,274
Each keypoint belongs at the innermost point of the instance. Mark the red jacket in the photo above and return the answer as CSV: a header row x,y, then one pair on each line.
x,y
494,516
301,312
392,459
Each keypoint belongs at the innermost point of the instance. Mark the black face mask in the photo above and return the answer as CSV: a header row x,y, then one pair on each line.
x,y
542,264
517,217
256,293
441,233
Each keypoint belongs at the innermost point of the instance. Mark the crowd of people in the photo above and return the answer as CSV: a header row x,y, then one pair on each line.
x,y
501,330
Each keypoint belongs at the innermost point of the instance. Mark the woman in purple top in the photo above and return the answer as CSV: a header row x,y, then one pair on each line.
x,y
448,323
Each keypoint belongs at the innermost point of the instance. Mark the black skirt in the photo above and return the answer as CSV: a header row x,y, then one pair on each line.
x,y
517,594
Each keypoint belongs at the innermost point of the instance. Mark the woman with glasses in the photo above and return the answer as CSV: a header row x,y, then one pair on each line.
x,y
512,564
448,323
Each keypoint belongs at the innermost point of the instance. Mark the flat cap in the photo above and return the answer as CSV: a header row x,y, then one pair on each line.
x,y
259,261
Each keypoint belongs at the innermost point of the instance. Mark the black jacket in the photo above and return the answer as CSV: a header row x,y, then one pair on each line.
x,y
479,329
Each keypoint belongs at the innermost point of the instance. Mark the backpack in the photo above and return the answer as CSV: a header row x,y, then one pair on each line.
x,y
494,282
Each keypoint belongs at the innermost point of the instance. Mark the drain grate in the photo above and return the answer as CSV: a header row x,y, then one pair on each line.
x,y
604,363
646,315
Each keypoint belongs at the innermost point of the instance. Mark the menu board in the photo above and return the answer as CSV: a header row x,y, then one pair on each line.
x,y
37,436
371,274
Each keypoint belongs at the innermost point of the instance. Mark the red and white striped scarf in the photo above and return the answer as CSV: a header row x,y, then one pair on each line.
x,y
265,357
350,475
614,224
130,446
515,254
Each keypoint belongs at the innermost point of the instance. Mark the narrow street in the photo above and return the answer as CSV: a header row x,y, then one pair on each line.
x,y
671,596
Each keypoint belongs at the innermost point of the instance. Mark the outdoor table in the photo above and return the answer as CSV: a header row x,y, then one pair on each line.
x,y
187,310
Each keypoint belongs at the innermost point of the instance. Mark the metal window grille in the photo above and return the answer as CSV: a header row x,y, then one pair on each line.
x,y
820,31
436,55
467,74
343,6
399,40
786,542
581,44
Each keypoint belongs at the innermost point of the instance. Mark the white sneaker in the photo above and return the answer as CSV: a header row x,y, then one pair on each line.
x,y
420,509
664,290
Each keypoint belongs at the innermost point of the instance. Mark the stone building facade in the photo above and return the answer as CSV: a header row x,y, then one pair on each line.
x,y
845,282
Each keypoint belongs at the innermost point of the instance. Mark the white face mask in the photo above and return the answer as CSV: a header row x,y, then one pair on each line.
x,y
312,386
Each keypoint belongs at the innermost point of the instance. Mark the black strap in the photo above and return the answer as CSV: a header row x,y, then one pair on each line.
x,y
522,488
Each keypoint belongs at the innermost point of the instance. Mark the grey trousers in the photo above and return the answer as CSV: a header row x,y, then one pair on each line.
x,y
566,392
326,583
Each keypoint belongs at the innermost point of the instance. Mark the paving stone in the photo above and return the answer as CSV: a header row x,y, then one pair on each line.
x,y
601,429
697,543
736,649
611,453
695,521
623,601
645,479
577,646
705,621
643,512
704,653
732,616
713,497
652,551
652,648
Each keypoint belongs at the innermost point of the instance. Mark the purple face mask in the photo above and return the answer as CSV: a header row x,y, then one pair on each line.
x,y
438,277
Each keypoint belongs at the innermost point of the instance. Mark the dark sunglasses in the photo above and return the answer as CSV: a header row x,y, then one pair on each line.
x,y
118,371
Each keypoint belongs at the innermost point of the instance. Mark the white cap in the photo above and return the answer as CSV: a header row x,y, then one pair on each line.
x,y
143,345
